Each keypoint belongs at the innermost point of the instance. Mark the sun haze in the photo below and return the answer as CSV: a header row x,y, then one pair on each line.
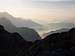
x,y
42,11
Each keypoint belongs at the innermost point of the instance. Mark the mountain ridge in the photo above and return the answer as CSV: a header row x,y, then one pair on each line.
x,y
19,22
56,44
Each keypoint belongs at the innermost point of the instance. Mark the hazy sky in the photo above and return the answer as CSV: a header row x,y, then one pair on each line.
x,y
40,10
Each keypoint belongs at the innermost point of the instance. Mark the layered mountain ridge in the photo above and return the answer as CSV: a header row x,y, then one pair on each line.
x,y
56,44
26,32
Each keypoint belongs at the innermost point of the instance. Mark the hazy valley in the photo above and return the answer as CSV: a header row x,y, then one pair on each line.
x,y
10,23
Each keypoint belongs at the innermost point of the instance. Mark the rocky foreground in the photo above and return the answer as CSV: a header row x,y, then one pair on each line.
x,y
56,44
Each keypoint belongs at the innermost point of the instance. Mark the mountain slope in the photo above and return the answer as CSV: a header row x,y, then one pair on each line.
x,y
12,44
7,24
25,32
19,22
28,33
56,44
56,31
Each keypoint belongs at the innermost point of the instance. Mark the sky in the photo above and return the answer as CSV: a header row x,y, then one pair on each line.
x,y
42,11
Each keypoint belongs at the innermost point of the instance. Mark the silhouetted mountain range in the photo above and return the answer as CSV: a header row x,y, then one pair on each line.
x,y
57,31
18,41
27,33
56,44
55,26
12,43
